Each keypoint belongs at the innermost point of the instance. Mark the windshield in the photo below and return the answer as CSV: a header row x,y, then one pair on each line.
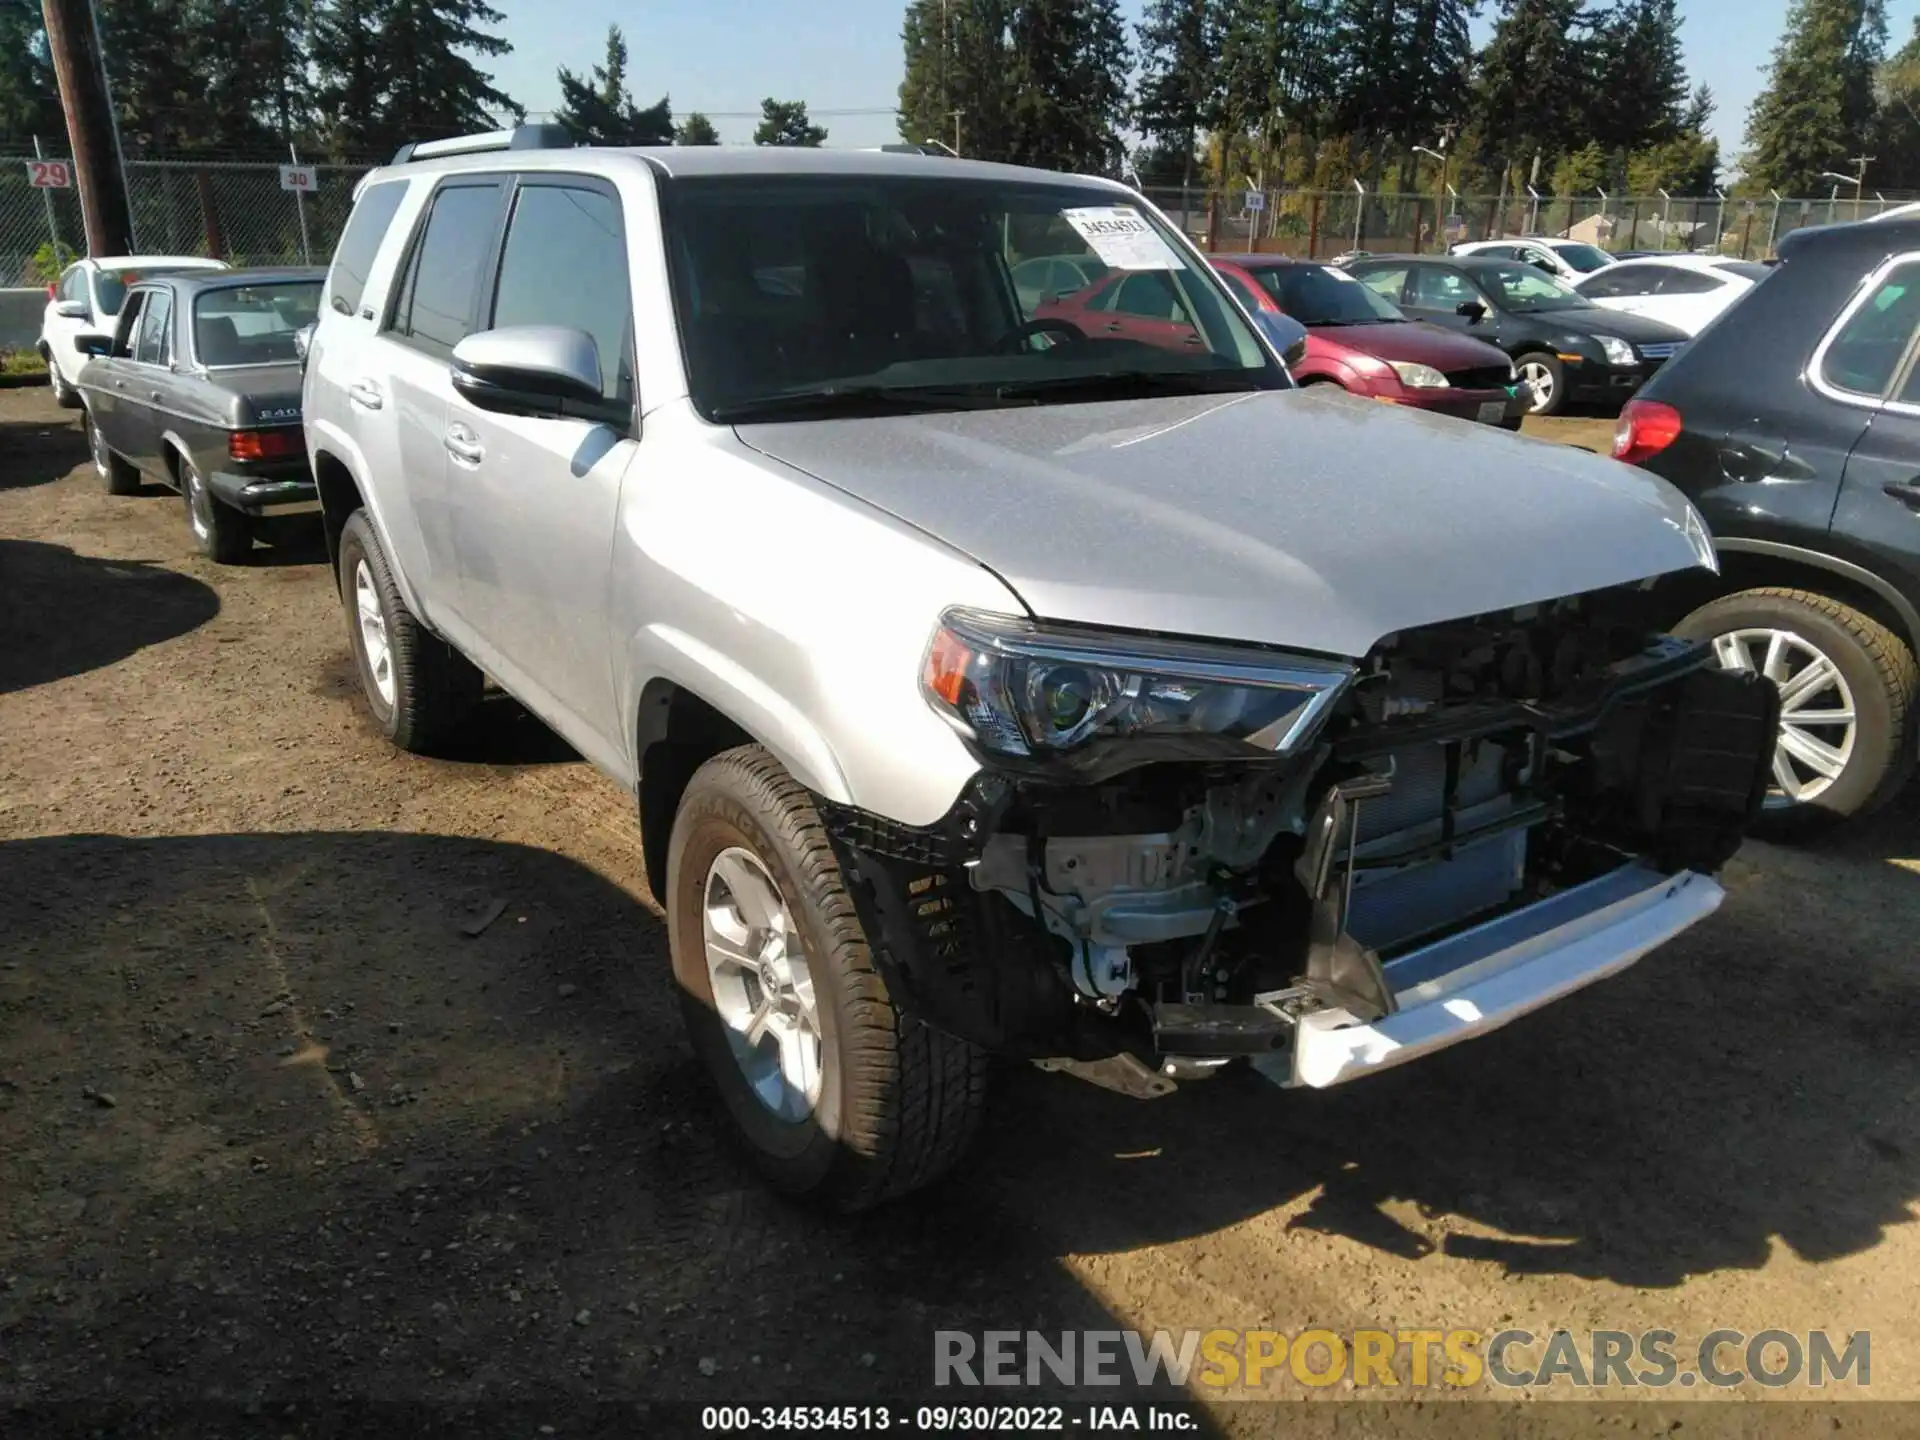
x,y
1529,291
815,295
1584,258
252,324
1321,295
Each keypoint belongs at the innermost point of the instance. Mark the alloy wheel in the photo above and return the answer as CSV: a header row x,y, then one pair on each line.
x,y
199,505
762,986
373,632
1539,382
1818,722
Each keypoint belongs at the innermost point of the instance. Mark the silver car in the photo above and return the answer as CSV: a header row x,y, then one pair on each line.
x,y
992,684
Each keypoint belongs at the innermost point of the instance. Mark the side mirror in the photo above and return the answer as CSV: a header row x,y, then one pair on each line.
x,y
1285,334
1472,309
303,342
529,370
93,345
73,310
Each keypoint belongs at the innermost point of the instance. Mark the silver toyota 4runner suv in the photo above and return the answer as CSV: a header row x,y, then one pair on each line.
x,y
992,684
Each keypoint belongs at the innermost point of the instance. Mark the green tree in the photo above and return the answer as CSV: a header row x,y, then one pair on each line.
x,y
1896,135
598,109
784,122
1817,109
392,71
1278,75
1178,89
1638,79
1531,83
1068,80
956,55
29,98
696,129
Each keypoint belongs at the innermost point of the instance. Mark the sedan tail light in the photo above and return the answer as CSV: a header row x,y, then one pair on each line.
x,y
265,444
1645,428
53,292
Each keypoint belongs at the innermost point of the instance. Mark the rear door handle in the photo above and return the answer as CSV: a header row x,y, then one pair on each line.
x,y
153,394
1907,492
366,395
1113,327
464,445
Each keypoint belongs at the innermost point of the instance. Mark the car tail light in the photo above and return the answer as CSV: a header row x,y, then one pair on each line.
x,y
264,444
1645,428
53,292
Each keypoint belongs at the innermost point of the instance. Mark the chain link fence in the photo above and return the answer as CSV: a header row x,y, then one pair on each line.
x,y
229,210
240,212
1320,224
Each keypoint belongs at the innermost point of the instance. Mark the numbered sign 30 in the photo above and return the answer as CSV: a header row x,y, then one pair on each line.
x,y
300,177
49,174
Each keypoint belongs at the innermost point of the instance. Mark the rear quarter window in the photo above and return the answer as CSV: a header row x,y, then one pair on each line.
x,y
353,258
1866,347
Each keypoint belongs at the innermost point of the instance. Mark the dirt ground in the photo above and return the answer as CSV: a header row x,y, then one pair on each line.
x,y
275,1132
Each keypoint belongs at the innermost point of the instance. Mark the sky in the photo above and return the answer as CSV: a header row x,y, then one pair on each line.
x,y
724,56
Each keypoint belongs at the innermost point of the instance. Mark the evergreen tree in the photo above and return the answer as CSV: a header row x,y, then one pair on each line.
x,y
1638,80
598,110
29,98
1406,70
1279,72
391,71
157,97
250,58
784,122
696,129
1068,82
1179,50
1532,83
1896,137
956,54
349,77
1817,109
1699,112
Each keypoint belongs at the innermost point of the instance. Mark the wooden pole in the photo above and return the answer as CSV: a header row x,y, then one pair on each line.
x,y
74,46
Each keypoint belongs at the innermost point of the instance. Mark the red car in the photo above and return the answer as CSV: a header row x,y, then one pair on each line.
x,y
1358,340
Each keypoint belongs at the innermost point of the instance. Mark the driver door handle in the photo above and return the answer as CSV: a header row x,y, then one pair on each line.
x,y
365,394
463,445
1907,492
1113,327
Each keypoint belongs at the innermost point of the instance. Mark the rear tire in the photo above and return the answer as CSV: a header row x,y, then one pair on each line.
x,y
1873,677
897,1103
64,394
116,475
1546,377
419,689
220,532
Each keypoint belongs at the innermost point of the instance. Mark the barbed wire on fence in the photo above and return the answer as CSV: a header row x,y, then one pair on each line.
x,y
238,211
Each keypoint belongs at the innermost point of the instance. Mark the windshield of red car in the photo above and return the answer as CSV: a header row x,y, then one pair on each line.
x,y
1322,295
922,289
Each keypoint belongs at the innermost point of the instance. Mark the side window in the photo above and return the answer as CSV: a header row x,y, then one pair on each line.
x,y
1437,289
1863,354
353,258
154,345
441,289
1617,280
1148,294
1387,283
1241,292
1497,252
73,284
565,263
128,326
1675,281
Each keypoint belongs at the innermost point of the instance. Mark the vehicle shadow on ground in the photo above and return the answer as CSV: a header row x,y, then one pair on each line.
x,y
39,451
274,1128
62,613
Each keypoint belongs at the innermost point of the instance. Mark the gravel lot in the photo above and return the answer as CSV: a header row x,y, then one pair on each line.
x,y
274,1130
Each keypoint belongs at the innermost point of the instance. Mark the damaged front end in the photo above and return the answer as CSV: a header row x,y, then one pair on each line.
x,y
1188,854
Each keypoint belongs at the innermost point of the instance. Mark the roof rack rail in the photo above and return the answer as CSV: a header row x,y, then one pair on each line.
x,y
909,149
520,137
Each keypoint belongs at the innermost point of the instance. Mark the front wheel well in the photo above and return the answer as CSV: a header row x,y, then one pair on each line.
x,y
677,732
339,498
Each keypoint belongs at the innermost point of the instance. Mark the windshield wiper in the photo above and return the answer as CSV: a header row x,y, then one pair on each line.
x,y
858,399
1115,384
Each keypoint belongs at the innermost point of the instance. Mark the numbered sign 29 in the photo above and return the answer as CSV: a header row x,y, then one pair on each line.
x,y
305,178
49,174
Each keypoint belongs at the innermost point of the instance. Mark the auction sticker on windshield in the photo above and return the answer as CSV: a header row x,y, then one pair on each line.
x,y
1122,238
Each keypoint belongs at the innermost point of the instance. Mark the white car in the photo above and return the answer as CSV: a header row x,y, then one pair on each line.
x,y
1569,259
86,301
1684,291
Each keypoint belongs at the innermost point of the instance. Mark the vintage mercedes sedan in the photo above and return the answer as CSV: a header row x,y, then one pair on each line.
x,y
198,389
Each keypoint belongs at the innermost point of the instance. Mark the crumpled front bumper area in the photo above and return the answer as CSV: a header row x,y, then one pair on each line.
x,y
1479,979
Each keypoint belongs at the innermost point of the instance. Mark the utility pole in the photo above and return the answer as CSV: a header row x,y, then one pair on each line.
x,y
1859,163
956,131
73,43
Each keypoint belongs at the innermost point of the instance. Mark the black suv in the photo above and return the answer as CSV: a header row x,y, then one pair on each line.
x,y
1793,422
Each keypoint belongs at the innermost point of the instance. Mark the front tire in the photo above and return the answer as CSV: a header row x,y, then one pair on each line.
x,y
419,689
117,477
1546,380
220,532
1848,688
838,1097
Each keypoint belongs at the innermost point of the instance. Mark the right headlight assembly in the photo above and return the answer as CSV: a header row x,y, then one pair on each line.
x,y
1024,689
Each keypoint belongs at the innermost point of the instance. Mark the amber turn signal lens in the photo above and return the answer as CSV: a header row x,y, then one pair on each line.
x,y
947,662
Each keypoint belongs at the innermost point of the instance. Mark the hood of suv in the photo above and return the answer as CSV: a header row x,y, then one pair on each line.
x,y
1317,521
